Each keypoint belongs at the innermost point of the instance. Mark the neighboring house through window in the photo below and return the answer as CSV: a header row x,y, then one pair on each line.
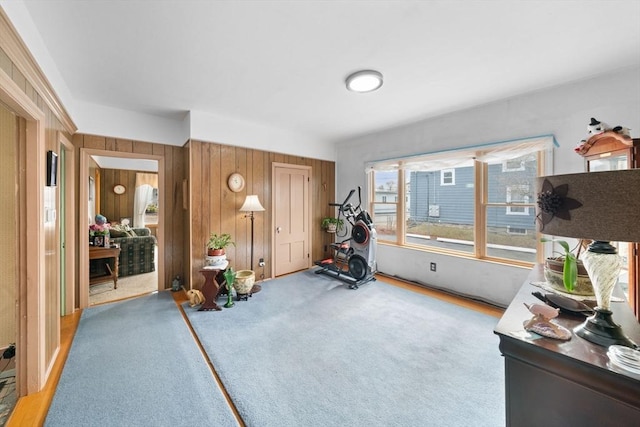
x,y
442,208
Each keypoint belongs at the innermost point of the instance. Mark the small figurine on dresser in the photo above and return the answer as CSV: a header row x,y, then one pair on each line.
x,y
542,323
596,127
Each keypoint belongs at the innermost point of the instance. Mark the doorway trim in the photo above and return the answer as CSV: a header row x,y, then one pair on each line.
x,y
83,220
31,364
70,231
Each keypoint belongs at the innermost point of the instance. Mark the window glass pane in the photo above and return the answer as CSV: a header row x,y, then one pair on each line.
x,y
151,212
386,183
385,221
441,215
608,164
510,236
385,204
511,230
513,185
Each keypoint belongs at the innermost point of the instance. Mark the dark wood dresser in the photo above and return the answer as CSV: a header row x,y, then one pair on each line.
x,y
564,383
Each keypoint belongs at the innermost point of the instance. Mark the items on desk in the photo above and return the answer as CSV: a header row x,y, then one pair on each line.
x,y
542,324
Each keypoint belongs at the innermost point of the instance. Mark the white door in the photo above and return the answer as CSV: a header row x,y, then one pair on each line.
x,y
291,218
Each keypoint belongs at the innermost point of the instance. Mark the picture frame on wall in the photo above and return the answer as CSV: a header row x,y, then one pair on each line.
x,y
52,169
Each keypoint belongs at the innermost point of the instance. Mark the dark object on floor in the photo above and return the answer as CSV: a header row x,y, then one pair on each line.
x,y
10,352
566,305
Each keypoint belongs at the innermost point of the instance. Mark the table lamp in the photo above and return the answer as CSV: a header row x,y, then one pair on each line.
x,y
251,204
602,207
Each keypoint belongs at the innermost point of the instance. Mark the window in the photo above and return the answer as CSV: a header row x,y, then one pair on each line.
x,y
513,165
448,177
515,230
384,212
518,194
474,202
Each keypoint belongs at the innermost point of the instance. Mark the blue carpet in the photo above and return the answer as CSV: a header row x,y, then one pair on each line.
x,y
308,351
135,363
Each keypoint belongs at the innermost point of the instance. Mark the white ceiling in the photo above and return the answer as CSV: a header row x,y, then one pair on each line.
x,y
283,63
142,165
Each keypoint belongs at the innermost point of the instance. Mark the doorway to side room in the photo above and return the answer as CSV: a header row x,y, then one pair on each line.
x,y
120,170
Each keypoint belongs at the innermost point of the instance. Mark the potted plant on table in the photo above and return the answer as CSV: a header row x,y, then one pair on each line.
x,y
216,247
331,224
566,272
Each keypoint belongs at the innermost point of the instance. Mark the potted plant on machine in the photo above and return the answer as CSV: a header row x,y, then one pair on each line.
x,y
216,247
565,271
331,224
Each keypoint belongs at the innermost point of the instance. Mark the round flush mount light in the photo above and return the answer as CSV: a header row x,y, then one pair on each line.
x,y
364,81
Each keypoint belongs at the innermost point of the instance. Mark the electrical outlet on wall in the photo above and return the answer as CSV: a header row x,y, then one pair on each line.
x,y
433,266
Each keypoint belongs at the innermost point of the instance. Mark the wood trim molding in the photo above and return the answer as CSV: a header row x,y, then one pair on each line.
x,y
70,230
21,57
83,221
31,324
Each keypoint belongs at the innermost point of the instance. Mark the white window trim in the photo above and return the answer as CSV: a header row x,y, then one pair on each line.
x,y
524,188
516,233
453,177
505,167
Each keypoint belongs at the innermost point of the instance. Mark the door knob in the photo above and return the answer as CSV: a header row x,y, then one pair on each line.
x,y
278,229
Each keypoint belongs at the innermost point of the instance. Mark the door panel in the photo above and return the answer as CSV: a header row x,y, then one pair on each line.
x,y
291,218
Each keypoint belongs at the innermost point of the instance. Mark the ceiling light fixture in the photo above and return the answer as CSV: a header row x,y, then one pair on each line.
x,y
364,81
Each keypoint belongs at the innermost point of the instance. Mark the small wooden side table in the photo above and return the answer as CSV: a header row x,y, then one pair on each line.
x,y
110,252
211,286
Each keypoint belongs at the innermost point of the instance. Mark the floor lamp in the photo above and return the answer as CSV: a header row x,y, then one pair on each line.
x,y
251,205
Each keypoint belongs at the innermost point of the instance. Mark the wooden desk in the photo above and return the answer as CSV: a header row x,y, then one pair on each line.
x,y
106,253
211,286
562,383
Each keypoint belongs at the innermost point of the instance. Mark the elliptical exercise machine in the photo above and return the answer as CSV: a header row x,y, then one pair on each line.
x,y
358,252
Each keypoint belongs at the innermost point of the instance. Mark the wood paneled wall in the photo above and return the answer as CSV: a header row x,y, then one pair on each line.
x,y
8,226
175,241
39,321
215,208
116,206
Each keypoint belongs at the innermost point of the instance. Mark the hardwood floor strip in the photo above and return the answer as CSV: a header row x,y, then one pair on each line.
x,y
31,410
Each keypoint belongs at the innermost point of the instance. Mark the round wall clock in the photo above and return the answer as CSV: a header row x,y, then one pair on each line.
x,y
119,189
236,182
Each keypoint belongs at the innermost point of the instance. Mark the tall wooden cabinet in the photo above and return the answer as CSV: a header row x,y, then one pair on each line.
x,y
612,151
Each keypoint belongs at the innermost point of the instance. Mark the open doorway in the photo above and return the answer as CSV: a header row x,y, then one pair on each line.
x,y
121,192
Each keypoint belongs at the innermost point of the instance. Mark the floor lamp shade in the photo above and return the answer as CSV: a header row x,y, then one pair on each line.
x,y
597,206
251,204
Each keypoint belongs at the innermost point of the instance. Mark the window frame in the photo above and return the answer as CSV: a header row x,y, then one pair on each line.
x,y
524,204
442,177
481,206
